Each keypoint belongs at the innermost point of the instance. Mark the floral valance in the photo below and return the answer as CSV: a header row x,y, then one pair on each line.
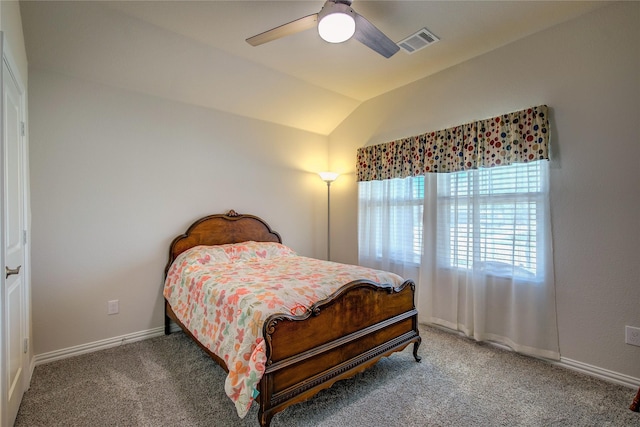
x,y
519,137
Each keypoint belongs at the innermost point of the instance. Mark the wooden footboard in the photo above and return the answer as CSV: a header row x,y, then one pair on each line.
x,y
336,339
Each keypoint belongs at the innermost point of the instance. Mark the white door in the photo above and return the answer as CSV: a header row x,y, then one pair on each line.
x,y
14,288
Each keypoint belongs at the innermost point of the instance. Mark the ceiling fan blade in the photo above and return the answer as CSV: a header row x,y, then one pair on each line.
x,y
292,27
369,35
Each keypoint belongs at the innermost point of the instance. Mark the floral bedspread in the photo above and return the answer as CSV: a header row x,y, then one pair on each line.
x,y
223,294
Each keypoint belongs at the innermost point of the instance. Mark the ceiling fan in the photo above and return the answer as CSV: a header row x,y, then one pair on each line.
x,y
337,22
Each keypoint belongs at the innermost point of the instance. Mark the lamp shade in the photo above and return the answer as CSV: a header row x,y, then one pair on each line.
x,y
328,176
336,22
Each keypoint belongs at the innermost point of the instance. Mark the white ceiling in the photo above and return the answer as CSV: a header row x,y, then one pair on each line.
x,y
195,51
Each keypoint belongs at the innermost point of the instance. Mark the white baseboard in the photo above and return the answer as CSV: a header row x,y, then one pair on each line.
x,y
100,345
594,371
603,374
564,362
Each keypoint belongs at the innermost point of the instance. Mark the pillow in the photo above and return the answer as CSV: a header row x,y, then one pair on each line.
x,y
255,251
206,255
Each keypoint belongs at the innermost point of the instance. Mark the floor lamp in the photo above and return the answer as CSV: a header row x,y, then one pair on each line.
x,y
328,177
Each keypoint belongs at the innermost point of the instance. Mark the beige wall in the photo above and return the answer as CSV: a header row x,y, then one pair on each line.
x,y
586,70
116,175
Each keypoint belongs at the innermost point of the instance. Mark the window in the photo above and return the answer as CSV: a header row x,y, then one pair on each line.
x,y
390,220
488,219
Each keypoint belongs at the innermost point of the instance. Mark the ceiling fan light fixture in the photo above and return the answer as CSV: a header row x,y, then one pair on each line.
x,y
336,22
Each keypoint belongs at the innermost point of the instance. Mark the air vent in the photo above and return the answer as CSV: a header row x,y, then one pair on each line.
x,y
417,41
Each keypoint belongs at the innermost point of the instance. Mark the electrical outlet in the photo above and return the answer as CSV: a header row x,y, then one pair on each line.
x,y
632,335
113,307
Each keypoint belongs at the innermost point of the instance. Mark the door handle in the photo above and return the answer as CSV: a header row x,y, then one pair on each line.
x,y
11,271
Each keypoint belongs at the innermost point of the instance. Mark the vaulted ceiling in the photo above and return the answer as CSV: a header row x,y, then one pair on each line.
x,y
195,51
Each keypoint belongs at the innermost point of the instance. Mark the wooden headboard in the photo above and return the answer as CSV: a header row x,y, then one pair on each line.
x,y
221,229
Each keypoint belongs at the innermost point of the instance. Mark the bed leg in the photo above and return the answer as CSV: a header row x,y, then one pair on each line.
x,y
264,418
415,350
635,405
167,325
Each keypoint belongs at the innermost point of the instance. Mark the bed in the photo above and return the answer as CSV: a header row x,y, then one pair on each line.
x,y
299,350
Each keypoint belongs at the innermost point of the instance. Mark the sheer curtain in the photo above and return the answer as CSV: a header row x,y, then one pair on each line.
x,y
478,245
487,268
390,225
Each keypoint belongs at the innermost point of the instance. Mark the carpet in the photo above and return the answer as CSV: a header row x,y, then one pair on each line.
x,y
169,381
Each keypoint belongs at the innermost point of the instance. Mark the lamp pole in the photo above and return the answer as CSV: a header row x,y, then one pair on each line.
x,y
328,220
328,177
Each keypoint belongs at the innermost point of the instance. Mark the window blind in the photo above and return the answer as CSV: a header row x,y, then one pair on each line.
x,y
488,219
